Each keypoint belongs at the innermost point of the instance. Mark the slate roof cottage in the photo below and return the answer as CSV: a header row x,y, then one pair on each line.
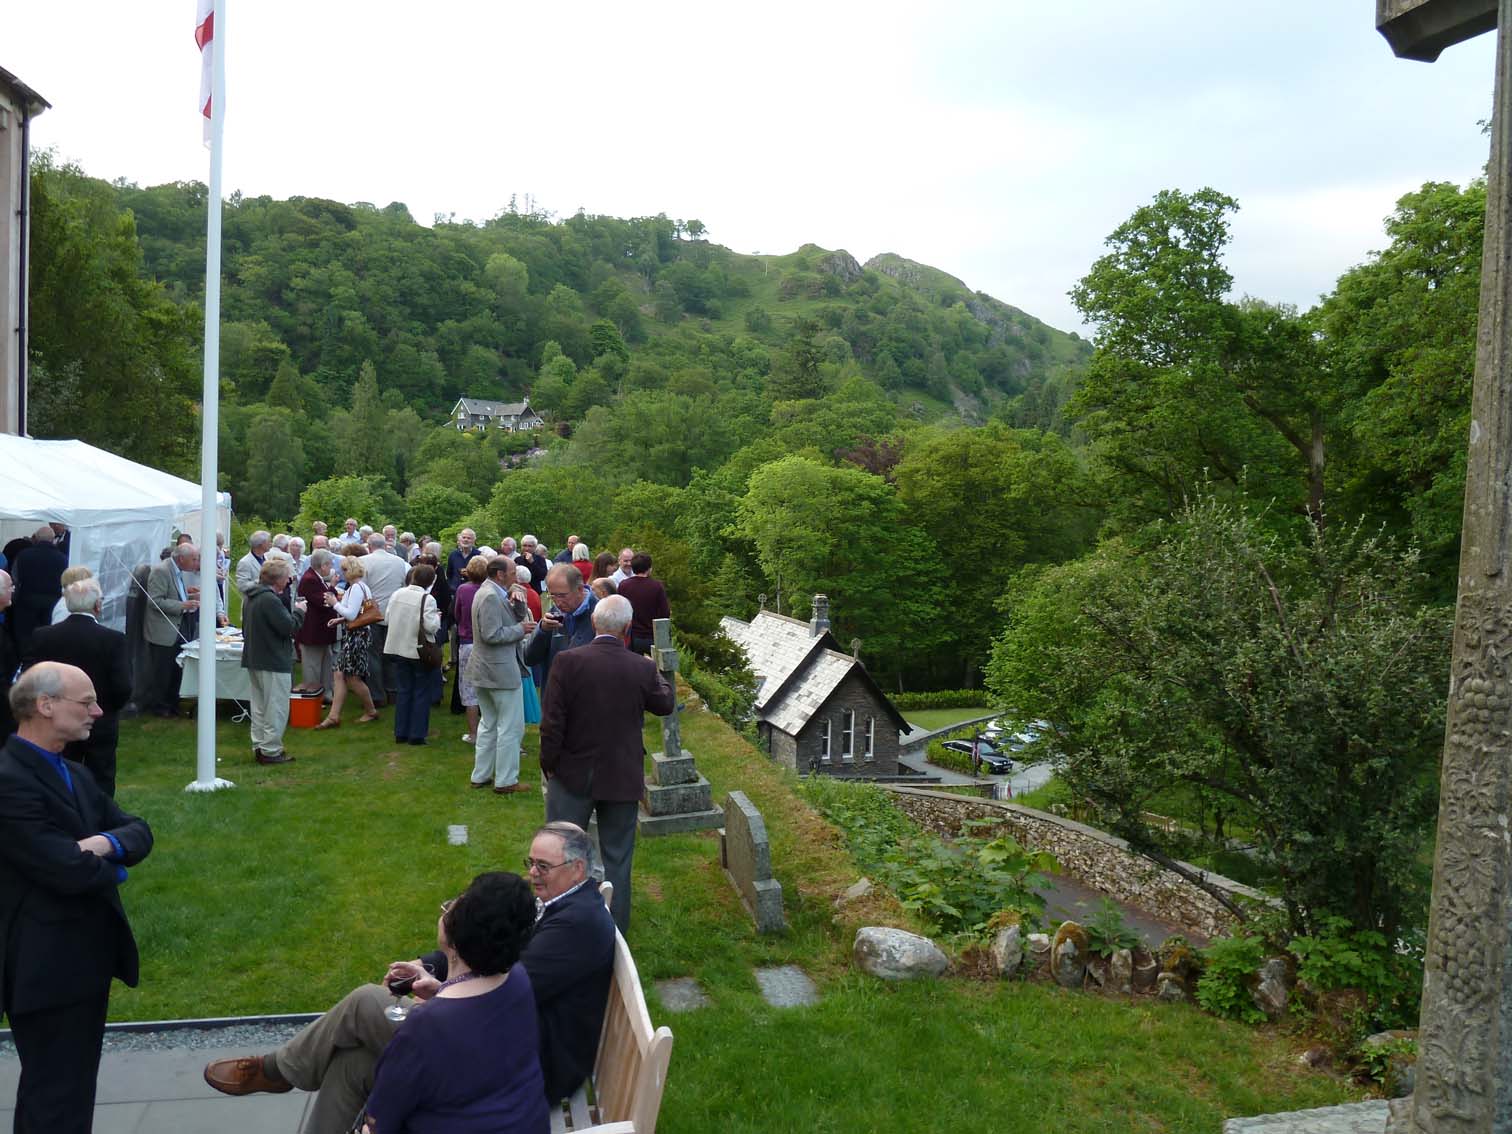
x,y
816,707
475,413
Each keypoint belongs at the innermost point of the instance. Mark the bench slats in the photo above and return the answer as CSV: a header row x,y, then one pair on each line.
x,y
630,1072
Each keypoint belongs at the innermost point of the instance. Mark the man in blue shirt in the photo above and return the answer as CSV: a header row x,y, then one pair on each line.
x,y
64,849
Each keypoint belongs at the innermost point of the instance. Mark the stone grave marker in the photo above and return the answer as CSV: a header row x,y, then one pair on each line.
x,y
677,797
746,855
786,986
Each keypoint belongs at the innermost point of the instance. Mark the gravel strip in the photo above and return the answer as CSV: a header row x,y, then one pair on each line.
x,y
253,1037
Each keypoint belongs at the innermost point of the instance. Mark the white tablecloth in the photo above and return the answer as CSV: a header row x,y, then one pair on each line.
x,y
231,682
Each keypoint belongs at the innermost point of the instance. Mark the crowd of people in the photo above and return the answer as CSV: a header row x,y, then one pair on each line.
x,y
505,1014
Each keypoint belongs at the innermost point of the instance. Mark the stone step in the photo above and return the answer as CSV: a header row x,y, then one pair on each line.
x,y
652,825
668,771
678,799
1352,1118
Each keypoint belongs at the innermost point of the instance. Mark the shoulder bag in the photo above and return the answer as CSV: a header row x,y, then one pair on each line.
x,y
428,653
368,615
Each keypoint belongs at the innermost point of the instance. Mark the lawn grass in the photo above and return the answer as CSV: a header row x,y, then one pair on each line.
x,y
931,719
308,878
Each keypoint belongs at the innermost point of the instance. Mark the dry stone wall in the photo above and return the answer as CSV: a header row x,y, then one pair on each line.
x,y
1095,857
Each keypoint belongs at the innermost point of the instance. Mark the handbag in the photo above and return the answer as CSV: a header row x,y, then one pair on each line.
x,y
368,615
429,654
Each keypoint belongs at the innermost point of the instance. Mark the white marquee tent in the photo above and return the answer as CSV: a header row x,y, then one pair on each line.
x,y
121,514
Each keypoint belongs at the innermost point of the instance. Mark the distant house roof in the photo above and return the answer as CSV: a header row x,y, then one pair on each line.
x,y
494,409
35,103
798,671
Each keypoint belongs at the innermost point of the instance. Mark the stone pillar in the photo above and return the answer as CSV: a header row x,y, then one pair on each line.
x,y
1464,1083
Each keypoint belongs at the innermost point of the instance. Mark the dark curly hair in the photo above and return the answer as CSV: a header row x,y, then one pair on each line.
x,y
490,923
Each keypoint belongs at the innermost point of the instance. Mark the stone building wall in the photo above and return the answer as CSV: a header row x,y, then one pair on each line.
x,y
781,747
855,694
1102,861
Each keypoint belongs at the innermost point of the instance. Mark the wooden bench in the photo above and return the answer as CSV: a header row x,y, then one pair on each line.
x,y
630,1071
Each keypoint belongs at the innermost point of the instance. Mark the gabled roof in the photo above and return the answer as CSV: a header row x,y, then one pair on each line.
x,y
494,409
776,647
798,673
35,103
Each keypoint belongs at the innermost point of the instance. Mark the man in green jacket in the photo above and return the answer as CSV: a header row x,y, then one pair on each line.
x,y
268,626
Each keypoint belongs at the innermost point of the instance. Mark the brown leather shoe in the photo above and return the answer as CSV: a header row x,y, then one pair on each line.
x,y
512,789
244,1076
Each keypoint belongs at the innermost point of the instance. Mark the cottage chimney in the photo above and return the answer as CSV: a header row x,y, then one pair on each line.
x,y
820,622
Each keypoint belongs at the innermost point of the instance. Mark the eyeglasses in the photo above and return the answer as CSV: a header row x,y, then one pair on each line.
x,y
447,905
87,702
536,866
560,596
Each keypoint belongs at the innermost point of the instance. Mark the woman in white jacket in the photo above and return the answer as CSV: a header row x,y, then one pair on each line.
x,y
411,612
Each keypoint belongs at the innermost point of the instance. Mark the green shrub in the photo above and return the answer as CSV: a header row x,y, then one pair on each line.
x,y
959,884
1106,930
937,753
1340,957
1229,976
941,699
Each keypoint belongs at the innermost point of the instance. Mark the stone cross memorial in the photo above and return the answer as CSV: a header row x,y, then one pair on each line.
x,y
677,797
1464,1073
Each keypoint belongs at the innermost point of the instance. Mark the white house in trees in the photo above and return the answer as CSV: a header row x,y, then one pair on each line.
x,y
477,414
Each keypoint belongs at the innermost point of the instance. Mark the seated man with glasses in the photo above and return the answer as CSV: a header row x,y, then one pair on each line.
x,y
569,960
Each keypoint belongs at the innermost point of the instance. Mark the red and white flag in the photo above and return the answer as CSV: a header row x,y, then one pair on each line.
x,y
204,34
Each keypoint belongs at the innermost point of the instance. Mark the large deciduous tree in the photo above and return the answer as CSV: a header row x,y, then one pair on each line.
x,y
1295,679
1185,383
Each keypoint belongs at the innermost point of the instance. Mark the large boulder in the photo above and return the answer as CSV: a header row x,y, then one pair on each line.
x,y
1007,950
1068,955
896,954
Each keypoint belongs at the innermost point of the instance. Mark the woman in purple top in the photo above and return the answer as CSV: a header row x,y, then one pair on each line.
x,y
473,574
467,1061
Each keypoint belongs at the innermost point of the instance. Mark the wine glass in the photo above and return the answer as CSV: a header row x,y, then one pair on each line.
x,y
396,1011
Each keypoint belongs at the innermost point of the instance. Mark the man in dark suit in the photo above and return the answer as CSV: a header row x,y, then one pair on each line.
x,y
105,656
569,958
592,754
64,847
36,571
9,657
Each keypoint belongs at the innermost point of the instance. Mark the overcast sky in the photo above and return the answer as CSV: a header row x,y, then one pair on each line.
x,y
999,141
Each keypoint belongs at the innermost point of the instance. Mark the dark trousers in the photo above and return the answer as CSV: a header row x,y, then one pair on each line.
x,y
60,1059
381,678
412,699
616,836
166,678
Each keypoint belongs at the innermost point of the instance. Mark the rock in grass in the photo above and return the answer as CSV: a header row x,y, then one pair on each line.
x,y
1270,992
1007,951
1170,987
1068,955
896,954
1146,969
1039,952
854,893
1121,971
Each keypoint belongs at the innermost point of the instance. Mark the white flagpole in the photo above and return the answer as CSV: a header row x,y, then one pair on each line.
x,y
205,777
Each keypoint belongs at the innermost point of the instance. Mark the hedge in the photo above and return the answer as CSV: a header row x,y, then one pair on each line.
x,y
942,699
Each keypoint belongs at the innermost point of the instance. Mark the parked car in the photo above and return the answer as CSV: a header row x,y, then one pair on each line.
x,y
994,760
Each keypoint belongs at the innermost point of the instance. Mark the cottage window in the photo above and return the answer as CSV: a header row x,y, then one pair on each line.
x,y
847,735
871,739
824,743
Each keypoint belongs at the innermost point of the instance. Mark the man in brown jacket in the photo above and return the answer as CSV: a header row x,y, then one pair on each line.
x,y
592,754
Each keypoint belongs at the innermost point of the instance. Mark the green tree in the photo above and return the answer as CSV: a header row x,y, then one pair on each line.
x,y
275,466
1184,383
434,508
551,502
993,500
1297,681
113,360
370,499
839,531
795,372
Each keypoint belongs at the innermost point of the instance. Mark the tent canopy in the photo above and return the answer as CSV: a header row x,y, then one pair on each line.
x,y
120,513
